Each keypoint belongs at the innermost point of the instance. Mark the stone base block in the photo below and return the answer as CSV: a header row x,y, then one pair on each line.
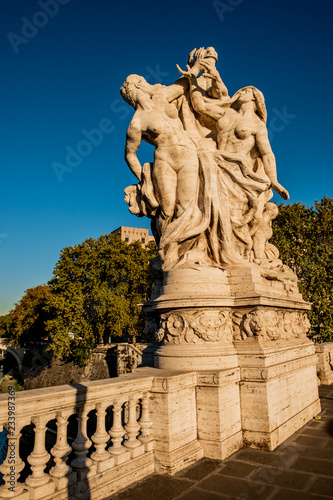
x,y
278,389
148,446
172,462
218,413
64,482
87,472
273,439
136,452
105,465
219,450
121,459
24,495
38,492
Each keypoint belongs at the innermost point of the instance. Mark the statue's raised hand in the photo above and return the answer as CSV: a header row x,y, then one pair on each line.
x,y
193,67
211,71
188,73
280,190
190,61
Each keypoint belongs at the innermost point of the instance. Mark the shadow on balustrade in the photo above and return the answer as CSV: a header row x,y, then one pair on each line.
x,y
81,427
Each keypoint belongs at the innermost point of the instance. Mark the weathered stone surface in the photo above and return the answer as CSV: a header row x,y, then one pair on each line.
x,y
278,389
218,413
173,413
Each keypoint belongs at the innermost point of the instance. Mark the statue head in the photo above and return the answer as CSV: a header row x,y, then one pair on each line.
x,y
132,87
252,94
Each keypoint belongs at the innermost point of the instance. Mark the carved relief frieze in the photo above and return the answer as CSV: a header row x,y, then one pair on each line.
x,y
270,324
208,325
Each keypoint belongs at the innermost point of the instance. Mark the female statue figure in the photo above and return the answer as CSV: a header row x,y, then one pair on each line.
x,y
247,167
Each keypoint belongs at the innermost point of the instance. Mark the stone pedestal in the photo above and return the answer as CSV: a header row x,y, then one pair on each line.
x,y
278,389
219,413
249,334
174,430
194,321
199,313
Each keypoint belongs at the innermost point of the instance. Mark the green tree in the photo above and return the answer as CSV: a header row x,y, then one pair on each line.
x,y
95,292
304,237
5,325
26,322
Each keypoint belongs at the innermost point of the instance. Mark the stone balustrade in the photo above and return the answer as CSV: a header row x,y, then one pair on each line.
x,y
119,449
325,362
87,441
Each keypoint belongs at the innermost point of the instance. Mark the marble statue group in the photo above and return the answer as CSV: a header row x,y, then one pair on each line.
x,y
207,191
224,306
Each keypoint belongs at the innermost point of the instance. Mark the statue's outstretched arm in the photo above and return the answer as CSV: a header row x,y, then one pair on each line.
x,y
177,89
133,141
180,86
268,160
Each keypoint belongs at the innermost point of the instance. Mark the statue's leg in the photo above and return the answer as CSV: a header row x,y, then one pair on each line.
x,y
165,184
187,185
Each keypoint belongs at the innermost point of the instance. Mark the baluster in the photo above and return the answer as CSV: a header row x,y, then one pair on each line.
x,y
60,452
117,432
38,459
101,437
145,424
82,443
11,468
132,429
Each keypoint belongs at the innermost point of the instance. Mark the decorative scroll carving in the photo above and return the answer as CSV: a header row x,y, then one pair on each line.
x,y
208,325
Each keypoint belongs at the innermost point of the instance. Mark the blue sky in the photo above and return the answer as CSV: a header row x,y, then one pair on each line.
x,y
63,64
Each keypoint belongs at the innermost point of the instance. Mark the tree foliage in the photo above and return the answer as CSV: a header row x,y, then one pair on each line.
x,y
26,322
304,237
95,292
5,325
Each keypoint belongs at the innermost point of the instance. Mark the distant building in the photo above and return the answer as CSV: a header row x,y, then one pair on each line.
x,y
130,234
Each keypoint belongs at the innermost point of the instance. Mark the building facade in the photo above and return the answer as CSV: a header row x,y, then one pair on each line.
x,y
130,234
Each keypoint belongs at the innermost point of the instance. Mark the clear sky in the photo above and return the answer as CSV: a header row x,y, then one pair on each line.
x,y
63,64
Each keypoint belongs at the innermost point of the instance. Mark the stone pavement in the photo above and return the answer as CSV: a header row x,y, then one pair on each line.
x,y
299,469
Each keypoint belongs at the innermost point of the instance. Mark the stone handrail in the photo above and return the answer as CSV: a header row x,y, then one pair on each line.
x,y
107,450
